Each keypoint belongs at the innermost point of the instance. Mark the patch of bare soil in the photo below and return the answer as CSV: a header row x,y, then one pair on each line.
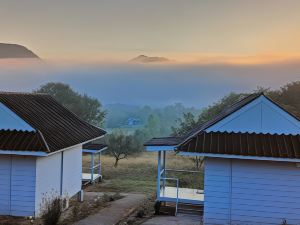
x,y
76,211
12,220
80,210
141,214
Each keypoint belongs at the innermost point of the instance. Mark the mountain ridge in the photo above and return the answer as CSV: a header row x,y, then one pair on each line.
x,y
15,51
149,59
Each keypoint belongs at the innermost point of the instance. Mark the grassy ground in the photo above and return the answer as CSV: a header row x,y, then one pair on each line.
x,y
138,174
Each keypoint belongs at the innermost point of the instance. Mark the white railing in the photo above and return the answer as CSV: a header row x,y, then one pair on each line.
x,y
177,190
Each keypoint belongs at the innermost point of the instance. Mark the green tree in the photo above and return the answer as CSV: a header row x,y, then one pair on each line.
x,y
87,108
288,97
120,146
189,121
186,123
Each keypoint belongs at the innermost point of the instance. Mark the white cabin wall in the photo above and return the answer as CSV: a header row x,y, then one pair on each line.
x,y
258,192
49,175
72,171
48,170
259,116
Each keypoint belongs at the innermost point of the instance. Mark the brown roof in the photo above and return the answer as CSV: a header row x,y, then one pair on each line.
x,y
244,144
164,141
59,127
93,146
15,140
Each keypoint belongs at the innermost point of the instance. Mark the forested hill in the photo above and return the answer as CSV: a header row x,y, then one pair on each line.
x,y
129,116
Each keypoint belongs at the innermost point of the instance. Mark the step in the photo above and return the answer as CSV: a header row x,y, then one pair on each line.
x,y
190,209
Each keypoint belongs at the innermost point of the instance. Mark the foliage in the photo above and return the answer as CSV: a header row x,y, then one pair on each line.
x,y
189,121
120,146
87,108
288,97
118,114
52,211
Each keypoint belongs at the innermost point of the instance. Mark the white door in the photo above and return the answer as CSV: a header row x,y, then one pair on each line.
x,y
5,184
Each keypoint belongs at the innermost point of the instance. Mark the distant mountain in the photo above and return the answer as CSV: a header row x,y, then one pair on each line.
x,y
148,59
15,51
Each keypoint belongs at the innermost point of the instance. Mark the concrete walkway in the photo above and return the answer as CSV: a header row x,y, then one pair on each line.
x,y
115,212
180,219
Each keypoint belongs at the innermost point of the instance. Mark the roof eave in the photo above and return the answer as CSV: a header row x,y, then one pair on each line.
x,y
23,153
227,156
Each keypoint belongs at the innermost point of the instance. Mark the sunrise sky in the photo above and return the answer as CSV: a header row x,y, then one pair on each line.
x,y
193,31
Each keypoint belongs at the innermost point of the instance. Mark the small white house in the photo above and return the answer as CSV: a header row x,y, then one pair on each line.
x,y
251,156
40,152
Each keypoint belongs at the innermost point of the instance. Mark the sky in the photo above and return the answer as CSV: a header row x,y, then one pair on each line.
x,y
190,31
215,47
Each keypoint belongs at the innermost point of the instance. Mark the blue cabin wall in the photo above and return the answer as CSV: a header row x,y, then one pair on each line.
x,y
251,192
259,116
17,185
5,165
10,120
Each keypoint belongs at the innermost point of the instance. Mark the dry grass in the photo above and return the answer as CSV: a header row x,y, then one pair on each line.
x,y
138,174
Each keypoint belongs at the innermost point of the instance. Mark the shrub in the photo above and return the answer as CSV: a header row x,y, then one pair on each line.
x,y
157,207
140,214
52,211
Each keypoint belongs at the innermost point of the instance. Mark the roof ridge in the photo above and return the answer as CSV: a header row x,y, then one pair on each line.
x,y
249,98
21,93
251,133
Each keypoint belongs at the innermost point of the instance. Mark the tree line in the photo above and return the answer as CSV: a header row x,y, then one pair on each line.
x,y
121,144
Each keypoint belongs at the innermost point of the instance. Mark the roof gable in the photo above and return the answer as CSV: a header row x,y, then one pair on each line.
x,y
259,116
11,121
255,113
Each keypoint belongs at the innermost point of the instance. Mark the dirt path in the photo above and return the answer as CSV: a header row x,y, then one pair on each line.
x,y
180,219
115,212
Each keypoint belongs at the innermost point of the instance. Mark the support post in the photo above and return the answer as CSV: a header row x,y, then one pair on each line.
x,y
99,163
158,174
92,167
164,169
80,195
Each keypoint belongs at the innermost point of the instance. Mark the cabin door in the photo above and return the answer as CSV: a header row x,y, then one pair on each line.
x,y
5,184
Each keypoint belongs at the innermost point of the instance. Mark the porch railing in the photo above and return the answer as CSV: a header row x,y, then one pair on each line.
x,y
177,190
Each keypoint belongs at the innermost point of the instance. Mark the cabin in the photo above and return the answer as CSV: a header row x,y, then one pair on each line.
x,y
251,156
40,152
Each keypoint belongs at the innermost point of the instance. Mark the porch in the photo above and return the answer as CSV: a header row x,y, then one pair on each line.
x,y
172,188
91,169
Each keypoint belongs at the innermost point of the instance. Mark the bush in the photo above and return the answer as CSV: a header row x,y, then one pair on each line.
x,y
52,211
157,207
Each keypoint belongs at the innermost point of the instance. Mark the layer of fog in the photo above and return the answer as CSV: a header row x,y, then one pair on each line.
x,y
192,85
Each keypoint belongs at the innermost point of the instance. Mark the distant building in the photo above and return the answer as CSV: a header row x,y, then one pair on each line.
x,y
251,156
133,122
40,152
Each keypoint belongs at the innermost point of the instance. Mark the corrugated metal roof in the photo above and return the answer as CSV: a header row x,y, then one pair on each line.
x,y
226,112
93,146
59,127
22,141
171,141
244,144
164,141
